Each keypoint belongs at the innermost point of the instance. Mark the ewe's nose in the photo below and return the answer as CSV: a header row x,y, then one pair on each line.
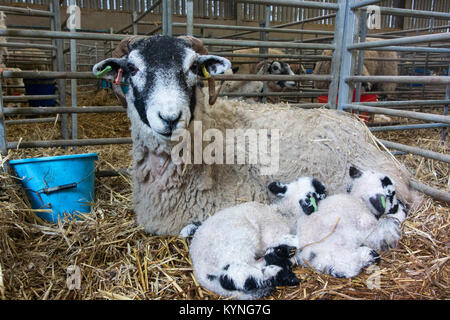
x,y
170,120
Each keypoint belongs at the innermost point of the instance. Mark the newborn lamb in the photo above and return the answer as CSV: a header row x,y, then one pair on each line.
x,y
246,250
341,237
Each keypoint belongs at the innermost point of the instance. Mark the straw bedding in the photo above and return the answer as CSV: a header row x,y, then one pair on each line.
x,y
118,260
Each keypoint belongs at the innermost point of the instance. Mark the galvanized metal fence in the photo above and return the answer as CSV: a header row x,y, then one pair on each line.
x,y
347,42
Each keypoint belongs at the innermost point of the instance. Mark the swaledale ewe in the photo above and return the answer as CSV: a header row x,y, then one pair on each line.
x,y
245,251
370,68
169,112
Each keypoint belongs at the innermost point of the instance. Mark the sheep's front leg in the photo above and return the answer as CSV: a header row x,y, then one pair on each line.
x,y
337,261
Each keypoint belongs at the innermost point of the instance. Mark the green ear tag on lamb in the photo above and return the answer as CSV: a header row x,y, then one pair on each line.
x,y
313,202
103,72
383,202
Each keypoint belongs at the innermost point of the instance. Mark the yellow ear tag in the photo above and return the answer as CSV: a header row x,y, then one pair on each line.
x,y
205,72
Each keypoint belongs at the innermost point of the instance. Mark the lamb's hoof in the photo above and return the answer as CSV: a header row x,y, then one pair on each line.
x,y
375,256
286,278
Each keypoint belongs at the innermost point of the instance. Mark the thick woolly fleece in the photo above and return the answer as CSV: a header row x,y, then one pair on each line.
x,y
320,143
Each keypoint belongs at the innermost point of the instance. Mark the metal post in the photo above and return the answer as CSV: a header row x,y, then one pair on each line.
x,y
73,82
133,21
164,17
60,67
337,54
362,38
447,97
73,87
190,18
264,37
345,91
169,17
3,143
427,55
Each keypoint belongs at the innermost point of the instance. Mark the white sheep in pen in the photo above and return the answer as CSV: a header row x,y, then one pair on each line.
x,y
245,251
385,64
341,237
165,97
274,67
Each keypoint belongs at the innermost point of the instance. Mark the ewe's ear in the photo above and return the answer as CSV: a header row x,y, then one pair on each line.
x,y
114,63
320,189
214,64
354,172
277,188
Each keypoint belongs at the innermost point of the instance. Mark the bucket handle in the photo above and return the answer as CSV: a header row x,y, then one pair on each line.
x,y
58,188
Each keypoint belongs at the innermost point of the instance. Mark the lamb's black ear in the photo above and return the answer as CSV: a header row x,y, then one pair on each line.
x,y
277,188
354,172
320,189
386,181
235,70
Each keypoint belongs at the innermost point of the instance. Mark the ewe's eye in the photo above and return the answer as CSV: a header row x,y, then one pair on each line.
x,y
132,68
194,68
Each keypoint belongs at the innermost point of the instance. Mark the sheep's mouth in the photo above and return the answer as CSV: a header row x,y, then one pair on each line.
x,y
165,135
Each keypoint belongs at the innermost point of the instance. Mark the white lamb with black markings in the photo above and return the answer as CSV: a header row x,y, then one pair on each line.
x,y
245,251
342,236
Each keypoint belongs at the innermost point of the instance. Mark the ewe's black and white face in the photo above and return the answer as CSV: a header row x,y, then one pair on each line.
x,y
376,189
162,73
303,193
282,68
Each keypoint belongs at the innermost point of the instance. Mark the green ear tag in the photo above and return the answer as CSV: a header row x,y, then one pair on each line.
x,y
103,72
313,202
383,202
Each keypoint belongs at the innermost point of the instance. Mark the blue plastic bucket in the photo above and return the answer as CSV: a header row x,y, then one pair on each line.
x,y
40,87
63,185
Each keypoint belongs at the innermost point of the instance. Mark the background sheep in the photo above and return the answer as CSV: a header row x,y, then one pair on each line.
x,y
275,67
243,251
253,67
370,68
167,195
340,238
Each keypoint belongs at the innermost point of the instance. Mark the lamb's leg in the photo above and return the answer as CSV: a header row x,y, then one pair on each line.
x,y
282,254
337,261
245,281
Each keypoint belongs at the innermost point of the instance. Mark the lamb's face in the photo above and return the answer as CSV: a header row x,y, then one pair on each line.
x,y
162,73
376,189
302,194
